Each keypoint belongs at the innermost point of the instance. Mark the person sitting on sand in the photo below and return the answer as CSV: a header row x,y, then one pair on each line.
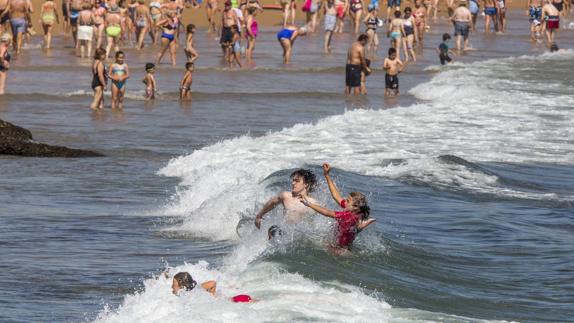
x,y
353,219
303,181
184,281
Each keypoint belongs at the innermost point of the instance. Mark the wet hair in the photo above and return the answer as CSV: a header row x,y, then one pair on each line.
x,y
553,47
119,52
392,51
360,201
408,9
149,66
184,280
445,36
363,38
274,231
397,14
100,52
309,178
190,28
188,65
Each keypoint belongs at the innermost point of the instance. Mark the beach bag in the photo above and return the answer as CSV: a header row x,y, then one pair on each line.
x,y
307,6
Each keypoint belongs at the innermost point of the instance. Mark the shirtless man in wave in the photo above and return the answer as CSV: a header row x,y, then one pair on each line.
x,y
303,181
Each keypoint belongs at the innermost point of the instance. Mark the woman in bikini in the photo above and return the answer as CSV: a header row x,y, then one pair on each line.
x,y
99,12
49,16
143,22
420,21
396,31
113,29
99,79
86,30
252,31
169,28
372,22
355,12
118,73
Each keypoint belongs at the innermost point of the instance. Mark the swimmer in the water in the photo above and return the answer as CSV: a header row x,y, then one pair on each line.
x,y
353,219
303,181
183,280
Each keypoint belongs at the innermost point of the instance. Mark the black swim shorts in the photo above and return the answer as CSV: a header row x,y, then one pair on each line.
x,y
444,59
226,36
391,82
353,75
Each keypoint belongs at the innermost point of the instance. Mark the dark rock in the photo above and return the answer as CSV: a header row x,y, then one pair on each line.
x,y
17,141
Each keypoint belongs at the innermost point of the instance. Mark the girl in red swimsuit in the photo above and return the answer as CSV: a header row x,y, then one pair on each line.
x,y
350,221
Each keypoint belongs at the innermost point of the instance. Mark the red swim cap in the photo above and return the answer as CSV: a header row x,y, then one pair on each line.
x,y
241,299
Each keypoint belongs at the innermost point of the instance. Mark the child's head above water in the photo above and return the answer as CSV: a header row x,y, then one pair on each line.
x,y
150,67
445,36
358,201
182,280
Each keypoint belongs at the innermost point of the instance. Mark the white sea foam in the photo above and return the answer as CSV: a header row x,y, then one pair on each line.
x,y
468,112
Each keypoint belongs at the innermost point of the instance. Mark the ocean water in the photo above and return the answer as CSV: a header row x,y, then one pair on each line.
x,y
469,175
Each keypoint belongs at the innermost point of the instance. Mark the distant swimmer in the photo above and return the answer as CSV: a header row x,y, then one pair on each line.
x,y
303,182
184,281
350,221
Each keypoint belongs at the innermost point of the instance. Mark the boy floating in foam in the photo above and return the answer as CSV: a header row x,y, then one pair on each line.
x,y
393,66
303,181
183,280
350,221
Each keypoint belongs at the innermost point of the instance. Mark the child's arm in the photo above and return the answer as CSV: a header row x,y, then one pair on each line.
x,y
317,208
153,83
210,286
365,223
332,188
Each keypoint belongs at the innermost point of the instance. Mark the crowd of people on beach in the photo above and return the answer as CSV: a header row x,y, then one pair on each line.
x,y
108,25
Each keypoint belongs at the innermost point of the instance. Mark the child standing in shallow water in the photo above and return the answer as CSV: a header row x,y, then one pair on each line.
x,y
393,66
190,52
350,221
118,73
186,81
149,81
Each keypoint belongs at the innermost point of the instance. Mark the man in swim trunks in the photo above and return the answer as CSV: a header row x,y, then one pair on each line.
x,y
303,181
355,64
19,19
228,19
490,15
330,22
551,16
462,19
